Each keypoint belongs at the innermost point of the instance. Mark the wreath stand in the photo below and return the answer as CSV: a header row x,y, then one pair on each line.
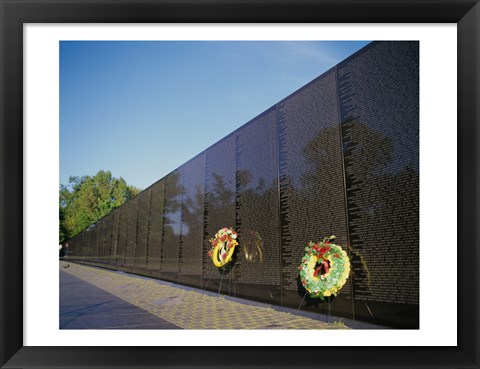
x,y
229,280
221,280
327,301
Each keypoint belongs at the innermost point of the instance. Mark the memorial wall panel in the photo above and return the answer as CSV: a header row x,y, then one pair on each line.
x,y
82,241
122,235
312,196
257,271
115,226
80,246
97,242
172,224
156,228
105,244
75,247
193,207
220,188
87,241
142,231
108,239
91,243
101,249
131,234
96,238
100,240
379,101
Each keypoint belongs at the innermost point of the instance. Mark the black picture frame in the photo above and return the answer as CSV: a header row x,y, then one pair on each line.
x,y
15,13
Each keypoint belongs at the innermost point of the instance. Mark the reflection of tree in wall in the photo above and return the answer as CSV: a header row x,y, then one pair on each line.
x,y
193,212
321,194
221,204
312,197
324,177
192,230
383,199
157,203
172,205
220,197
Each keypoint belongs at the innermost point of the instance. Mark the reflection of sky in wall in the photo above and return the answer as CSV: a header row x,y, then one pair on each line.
x,y
175,222
142,109
193,179
173,201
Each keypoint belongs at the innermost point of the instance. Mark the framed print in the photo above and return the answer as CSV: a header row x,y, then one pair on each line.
x,y
449,278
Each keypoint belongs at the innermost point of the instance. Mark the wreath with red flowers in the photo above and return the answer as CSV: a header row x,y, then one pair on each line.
x,y
223,246
324,269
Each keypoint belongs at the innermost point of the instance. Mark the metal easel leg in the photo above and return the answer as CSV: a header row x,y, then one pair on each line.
x,y
220,287
299,306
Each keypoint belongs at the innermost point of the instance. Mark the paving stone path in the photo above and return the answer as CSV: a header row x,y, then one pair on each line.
x,y
189,308
84,306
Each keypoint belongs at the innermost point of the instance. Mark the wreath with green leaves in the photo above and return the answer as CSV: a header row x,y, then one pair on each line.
x,y
324,269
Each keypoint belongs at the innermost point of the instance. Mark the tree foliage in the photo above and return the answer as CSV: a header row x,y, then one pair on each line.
x,y
87,199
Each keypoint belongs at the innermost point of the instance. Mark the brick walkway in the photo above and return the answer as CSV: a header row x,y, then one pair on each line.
x,y
187,308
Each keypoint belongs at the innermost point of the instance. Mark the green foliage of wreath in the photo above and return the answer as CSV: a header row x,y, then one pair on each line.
x,y
324,269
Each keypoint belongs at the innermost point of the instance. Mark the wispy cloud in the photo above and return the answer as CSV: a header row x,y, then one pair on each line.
x,y
312,50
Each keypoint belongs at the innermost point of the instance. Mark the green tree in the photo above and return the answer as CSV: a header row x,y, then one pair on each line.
x,y
63,230
87,199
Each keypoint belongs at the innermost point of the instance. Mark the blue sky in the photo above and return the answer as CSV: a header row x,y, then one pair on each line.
x,y
142,109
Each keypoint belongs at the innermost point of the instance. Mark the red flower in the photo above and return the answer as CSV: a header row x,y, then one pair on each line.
x,y
324,249
210,253
326,266
224,237
303,282
224,255
336,256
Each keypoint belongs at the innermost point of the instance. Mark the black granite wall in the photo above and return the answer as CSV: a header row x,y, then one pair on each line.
x,y
339,156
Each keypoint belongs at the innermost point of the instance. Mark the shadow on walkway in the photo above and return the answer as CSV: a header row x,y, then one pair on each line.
x,y
84,306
